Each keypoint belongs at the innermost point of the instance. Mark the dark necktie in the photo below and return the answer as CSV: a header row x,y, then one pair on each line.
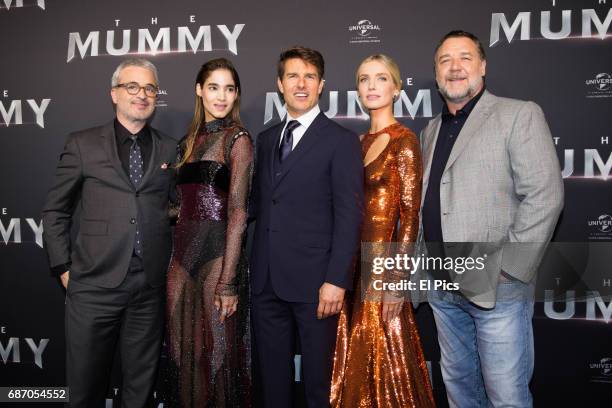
x,y
287,142
136,173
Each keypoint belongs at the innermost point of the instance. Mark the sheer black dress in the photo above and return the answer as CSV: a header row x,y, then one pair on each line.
x,y
208,362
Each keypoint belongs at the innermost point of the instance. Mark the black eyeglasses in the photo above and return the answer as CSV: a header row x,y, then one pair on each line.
x,y
133,88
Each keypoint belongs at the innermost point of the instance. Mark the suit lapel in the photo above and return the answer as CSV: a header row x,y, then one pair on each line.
x,y
271,147
306,142
472,124
152,160
429,144
110,146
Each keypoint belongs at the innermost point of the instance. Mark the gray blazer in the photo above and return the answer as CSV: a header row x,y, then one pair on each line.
x,y
92,188
501,185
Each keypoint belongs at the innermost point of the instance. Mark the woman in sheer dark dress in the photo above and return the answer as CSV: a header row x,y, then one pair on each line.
x,y
207,337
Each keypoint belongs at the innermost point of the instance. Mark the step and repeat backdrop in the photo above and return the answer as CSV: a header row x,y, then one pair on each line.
x,y
57,57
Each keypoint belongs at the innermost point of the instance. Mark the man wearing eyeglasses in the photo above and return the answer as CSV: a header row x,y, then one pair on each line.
x,y
114,271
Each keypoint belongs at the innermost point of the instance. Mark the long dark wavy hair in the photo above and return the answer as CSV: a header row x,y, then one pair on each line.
x,y
197,123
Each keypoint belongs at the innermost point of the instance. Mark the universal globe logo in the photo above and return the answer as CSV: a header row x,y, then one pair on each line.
x,y
601,85
162,95
365,32
364,28
604,223
602,227
602,81
604,370
606,366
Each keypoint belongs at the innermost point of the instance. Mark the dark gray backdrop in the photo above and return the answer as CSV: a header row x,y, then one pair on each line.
x,y
568,77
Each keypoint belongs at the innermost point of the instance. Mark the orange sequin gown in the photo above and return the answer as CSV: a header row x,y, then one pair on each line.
x,y
378,364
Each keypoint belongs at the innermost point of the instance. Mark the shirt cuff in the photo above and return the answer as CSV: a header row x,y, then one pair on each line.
x,y
60,269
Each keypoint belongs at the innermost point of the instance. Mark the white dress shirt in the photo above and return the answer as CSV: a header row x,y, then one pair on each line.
x,y
305,121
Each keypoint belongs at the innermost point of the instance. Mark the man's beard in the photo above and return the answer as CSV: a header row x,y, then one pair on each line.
x,y
460,96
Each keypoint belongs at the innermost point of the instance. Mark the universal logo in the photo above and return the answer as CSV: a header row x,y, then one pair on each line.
x,y
600,86
19,3
603,226
161,102
604,370
364,32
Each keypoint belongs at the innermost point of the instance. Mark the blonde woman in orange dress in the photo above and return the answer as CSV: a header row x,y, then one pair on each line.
x,y
379,360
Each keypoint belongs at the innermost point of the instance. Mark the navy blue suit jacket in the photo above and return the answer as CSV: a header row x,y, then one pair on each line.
x,y
308,219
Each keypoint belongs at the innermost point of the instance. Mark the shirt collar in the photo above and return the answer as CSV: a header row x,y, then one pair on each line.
x,y
467,108
123,135
307,118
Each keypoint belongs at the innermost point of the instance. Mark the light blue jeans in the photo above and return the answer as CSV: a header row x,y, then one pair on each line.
x,y
486,354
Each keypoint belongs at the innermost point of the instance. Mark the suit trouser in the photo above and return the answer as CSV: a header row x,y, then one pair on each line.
x,y
275,325
97,321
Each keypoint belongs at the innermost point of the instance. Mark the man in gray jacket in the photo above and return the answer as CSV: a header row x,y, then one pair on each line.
x,y
491,175
114,181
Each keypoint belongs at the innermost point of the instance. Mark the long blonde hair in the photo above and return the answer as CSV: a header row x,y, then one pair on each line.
x,y
198,115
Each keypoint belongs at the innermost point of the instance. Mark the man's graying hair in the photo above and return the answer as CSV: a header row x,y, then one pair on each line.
x,y
462,33
134,62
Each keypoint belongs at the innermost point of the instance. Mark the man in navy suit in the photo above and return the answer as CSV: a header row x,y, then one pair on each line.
x,y
307,200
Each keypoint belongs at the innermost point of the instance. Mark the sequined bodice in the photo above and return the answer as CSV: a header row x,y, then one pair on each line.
x,y
206,172
204,181
203,186
392,187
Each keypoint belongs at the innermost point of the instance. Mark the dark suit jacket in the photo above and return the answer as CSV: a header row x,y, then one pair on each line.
x,y
91,179
309,218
